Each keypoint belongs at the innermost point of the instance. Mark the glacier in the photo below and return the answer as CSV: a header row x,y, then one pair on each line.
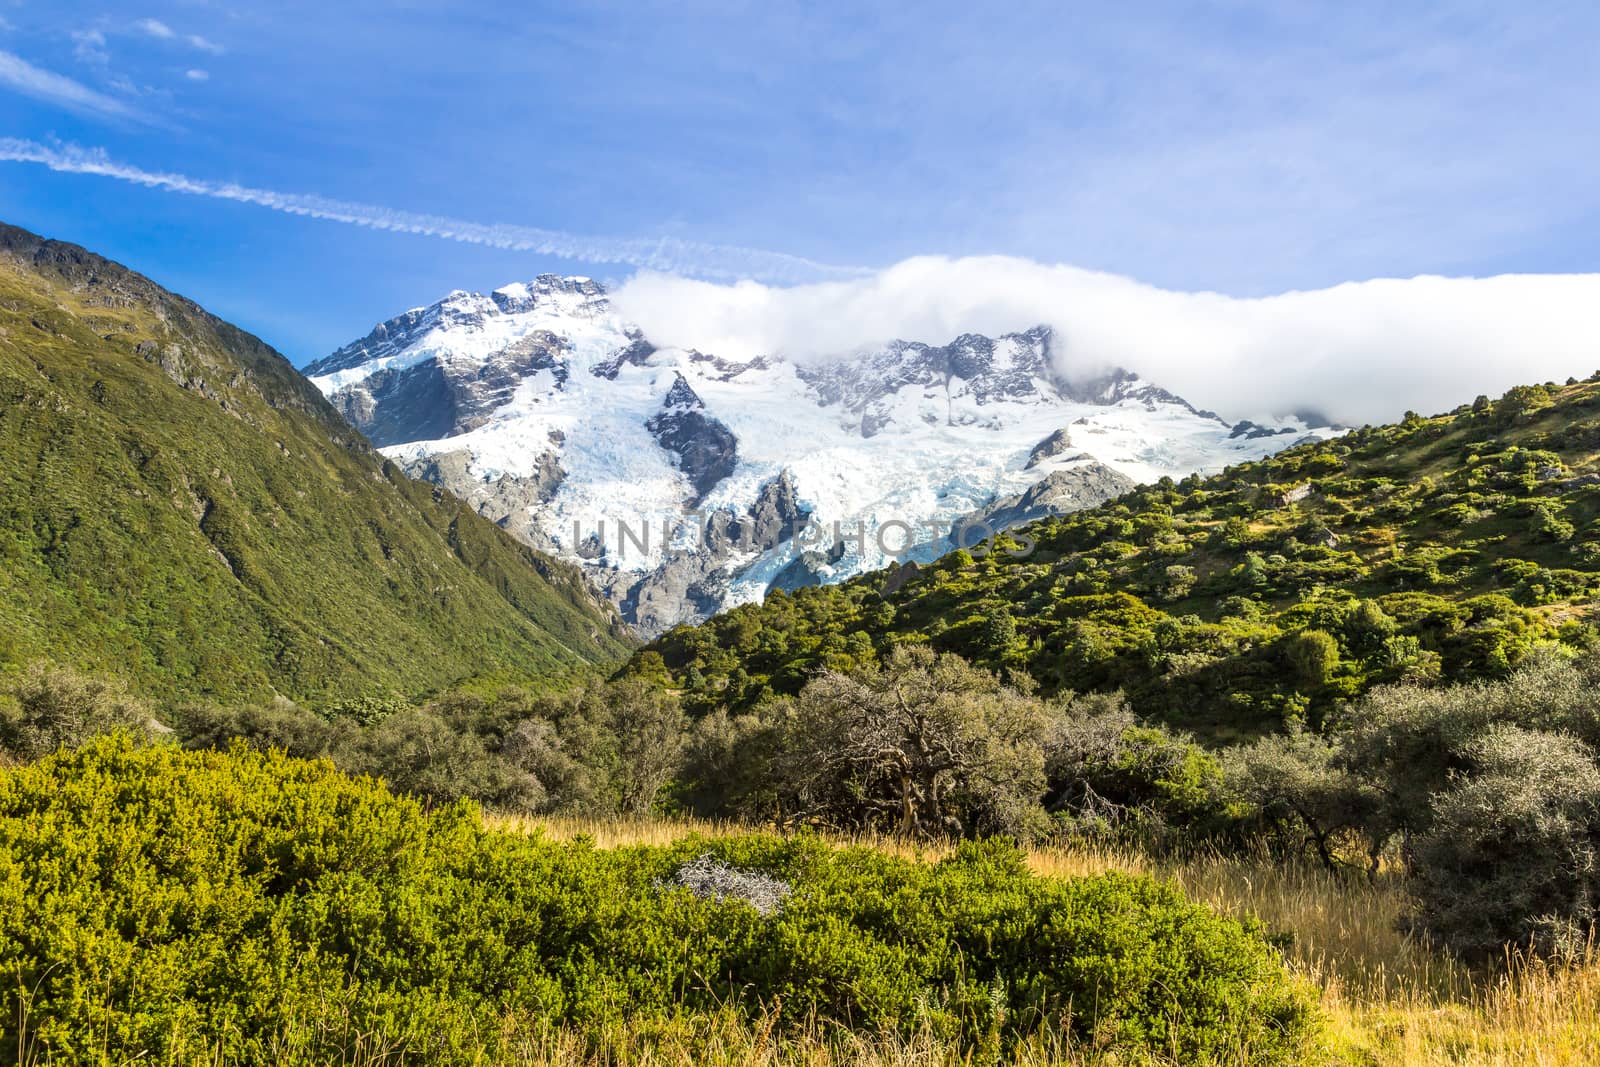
x,y
685,483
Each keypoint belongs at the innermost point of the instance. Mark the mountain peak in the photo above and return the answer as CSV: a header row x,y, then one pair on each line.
x,y
563,422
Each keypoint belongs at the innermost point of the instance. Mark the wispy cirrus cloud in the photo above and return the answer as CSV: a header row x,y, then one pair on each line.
x,y
703,260
21,76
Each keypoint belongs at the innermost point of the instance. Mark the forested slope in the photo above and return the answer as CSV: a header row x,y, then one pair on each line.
x,y
1443,547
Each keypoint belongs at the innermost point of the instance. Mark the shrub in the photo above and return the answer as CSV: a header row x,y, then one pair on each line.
x,y
177,906
289,727
1520,401
1313,655
1109,771
1409,741
1513,855
627,736
419,753
57,708
729,763
1296,784
925,746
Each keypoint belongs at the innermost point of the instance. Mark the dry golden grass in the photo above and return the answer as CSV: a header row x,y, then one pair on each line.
x,y
1389,998
731,1041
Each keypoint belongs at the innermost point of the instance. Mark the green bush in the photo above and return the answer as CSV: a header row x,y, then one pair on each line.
x,y
599,749
926,745
1107,772
1513,854
1491,791
169,905
51,708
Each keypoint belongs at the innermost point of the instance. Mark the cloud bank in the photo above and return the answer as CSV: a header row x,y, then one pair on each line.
x,y
663,254
1358,352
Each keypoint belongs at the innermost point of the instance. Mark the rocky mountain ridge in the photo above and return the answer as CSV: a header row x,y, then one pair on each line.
x,y
685,482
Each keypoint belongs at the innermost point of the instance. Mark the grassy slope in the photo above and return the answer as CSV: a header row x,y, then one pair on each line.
x,y
178,506
1390,999
1475,535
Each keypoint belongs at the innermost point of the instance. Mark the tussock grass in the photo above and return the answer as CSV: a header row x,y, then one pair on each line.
x,y
1391,1000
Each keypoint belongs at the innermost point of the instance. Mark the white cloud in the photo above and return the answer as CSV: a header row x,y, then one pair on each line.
x,y
24,77
161,31
665,254
89,46
197,75
1358,352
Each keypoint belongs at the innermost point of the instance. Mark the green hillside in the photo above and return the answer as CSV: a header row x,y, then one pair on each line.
x,y
179,507
1443,547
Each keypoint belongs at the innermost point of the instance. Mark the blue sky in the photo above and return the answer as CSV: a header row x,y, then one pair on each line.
x,y
1248,148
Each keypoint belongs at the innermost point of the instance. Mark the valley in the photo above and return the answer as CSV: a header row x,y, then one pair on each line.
x,y
1275,745
799,535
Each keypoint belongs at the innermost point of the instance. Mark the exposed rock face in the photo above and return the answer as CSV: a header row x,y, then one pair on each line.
x,y
636,354
977,369
1085,484
509,500
774,518
692,580
413,390
462,313
412,404
706,450
1251,431
562,422
433,400
1056,444
806,569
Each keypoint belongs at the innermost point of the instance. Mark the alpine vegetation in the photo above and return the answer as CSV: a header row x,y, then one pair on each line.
x,y
184,906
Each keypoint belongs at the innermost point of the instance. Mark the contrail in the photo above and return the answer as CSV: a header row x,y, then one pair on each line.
x,y
666,254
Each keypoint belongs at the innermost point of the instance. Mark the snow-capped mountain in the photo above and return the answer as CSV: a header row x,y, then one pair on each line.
x,y
686,483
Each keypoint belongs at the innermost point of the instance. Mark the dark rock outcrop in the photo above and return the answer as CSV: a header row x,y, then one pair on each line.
x,y
691,581
636,354
703,448
1252,431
